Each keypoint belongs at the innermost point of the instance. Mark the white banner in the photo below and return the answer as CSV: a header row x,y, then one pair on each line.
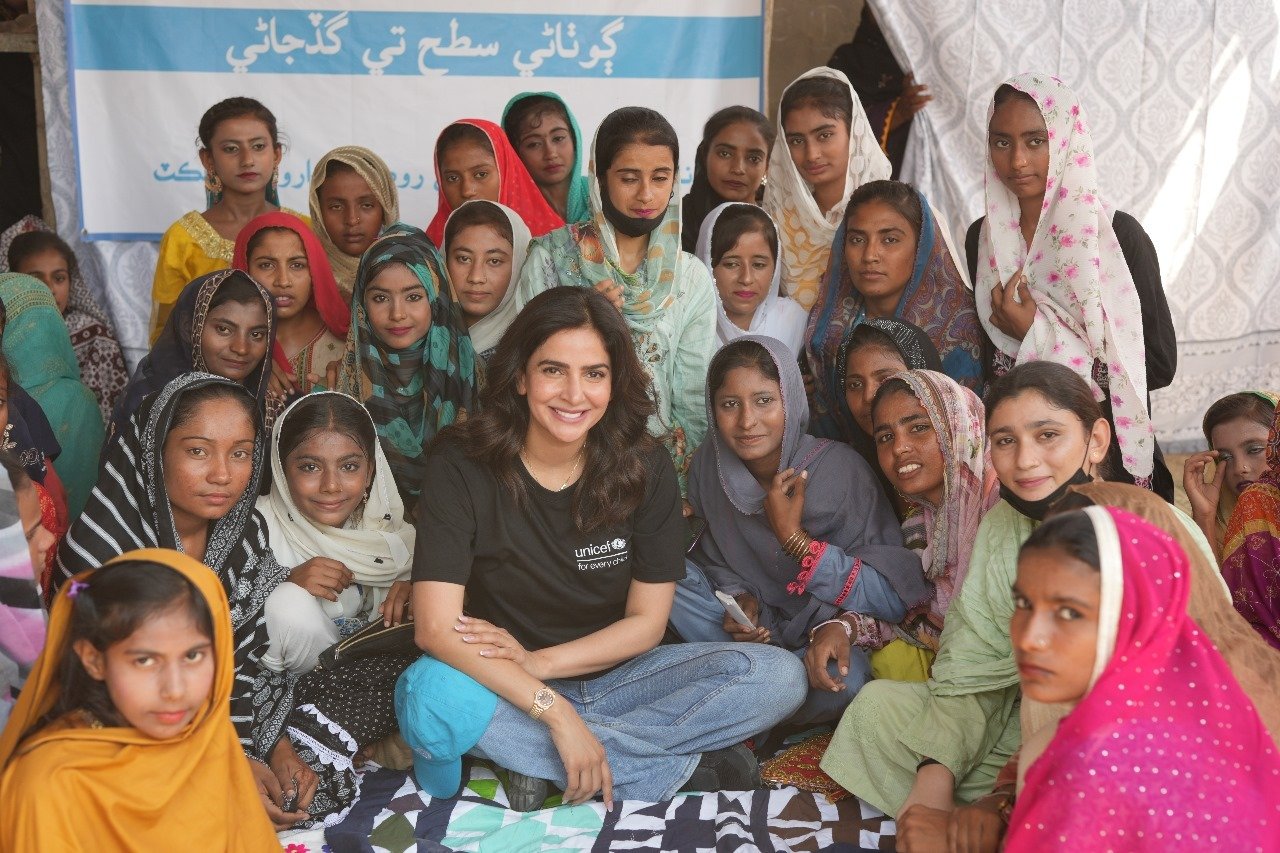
x,y
385,75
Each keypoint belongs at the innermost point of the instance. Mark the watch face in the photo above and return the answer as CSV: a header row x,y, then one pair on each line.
x,y
544,697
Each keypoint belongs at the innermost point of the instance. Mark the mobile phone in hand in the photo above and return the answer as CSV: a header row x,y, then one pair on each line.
x,y
731,607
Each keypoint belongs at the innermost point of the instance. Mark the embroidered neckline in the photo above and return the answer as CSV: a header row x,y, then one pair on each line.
x,y
209,240
206,237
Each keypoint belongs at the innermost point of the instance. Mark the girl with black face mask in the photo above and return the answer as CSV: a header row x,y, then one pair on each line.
x,y
630,250
936,744
1047,434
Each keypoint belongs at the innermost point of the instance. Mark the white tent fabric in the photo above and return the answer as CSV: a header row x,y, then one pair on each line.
x,y
1184,105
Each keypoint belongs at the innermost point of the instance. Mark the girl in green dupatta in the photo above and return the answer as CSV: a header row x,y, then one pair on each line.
x,y
630,251
42,361
409,359
546,136
901,743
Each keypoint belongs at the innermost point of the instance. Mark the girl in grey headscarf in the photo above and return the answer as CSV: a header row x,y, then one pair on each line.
x,y
798,530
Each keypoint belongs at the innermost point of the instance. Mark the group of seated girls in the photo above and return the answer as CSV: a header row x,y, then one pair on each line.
x,y
636,506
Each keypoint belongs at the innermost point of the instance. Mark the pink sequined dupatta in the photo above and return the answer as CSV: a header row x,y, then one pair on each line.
x,y
1166,751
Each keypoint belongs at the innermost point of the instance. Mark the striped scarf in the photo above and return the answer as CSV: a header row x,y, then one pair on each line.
x,y
129,509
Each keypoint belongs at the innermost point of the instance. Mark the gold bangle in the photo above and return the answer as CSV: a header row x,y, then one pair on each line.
x,y
798,549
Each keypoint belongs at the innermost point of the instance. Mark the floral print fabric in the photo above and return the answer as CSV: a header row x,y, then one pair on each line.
x,y
1088,314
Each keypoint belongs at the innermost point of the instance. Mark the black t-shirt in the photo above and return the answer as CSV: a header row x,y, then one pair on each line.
x,y
528,569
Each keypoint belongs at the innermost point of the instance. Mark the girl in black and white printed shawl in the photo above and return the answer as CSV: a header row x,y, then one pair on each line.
x,y
129,508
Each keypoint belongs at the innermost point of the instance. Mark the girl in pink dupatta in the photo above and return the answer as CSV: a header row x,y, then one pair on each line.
x,y
1251,547
1163,749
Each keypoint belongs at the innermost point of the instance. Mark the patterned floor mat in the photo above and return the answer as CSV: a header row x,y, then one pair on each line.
x,y
394,815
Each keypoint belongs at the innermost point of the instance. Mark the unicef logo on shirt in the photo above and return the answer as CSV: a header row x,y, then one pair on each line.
x,y
605,555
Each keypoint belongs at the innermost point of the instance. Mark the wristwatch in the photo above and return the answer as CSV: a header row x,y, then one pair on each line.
x,y
542,701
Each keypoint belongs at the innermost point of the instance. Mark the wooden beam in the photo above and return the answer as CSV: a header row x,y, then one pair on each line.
x,y
18,42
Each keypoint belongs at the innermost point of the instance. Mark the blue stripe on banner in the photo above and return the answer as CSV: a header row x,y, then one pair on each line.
x,y
158,38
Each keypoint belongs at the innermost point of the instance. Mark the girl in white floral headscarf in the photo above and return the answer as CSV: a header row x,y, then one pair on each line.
x,y
1052,280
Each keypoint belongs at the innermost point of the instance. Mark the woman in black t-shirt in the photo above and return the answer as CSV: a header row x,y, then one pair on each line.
x,y
559,520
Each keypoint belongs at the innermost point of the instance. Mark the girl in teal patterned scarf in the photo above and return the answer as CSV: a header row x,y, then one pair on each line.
x,y
630,251
409,359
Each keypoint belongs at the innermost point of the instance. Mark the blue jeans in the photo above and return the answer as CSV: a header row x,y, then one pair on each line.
x,y
698,617
656,714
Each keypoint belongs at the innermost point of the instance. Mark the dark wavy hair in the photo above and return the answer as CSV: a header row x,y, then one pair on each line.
x,y
236,108
533,108
892,385
34,242
865,336
477,212
735,115
740,354
190,402
827,95
1057,383
458,133
116,601
1006,92
1061,386
319,413
614,472
261,234
239,288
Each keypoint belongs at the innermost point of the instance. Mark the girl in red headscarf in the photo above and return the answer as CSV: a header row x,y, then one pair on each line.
x,y
474,160
284,255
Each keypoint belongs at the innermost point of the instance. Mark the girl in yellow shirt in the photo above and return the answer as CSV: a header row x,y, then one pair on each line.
x,y
240,151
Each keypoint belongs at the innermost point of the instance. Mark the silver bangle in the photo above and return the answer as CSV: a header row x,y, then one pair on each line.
x,y
848,629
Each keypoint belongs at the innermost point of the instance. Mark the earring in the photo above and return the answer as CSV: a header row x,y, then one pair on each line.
x,y
275,177
212,182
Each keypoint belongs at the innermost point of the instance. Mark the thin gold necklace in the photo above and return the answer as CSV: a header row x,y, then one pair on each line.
x,y
572,471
